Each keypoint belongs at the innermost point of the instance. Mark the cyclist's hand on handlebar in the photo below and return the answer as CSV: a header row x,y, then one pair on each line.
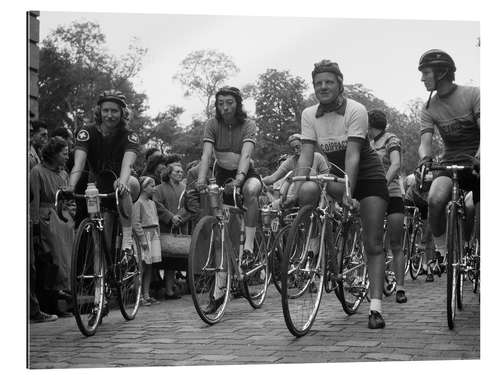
x,y
122,188
230,186
348,202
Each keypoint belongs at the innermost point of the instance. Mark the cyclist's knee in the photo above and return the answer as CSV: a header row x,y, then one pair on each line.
x,y
373,246
309,193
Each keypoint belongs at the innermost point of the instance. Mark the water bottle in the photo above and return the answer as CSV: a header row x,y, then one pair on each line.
x,y
92,195
213,193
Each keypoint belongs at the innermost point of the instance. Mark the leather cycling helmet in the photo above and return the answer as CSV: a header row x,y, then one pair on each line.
x,y
112,96
294,137
436,58
229,90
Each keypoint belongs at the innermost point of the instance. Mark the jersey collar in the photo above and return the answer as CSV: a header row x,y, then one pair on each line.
x,y
377,137
338,106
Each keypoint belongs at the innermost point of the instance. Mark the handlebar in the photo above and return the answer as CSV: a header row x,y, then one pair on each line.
x,y
323,178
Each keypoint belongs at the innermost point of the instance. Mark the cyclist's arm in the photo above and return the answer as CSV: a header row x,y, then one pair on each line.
x,y
282,170
425,148
208,148
127,162
76,172
352,157
395,166
305,162
244,163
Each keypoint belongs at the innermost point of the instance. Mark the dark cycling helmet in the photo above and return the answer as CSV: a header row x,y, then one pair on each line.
x,y
436,58
112,96
229,90
377,119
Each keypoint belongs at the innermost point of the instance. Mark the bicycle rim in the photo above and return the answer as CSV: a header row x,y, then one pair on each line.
x,y
129,281
461,265
416,260
277,251
87,277
302,272
451,268
255,281
205,273
353,277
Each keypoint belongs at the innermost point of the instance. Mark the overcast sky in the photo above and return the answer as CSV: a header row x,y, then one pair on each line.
x,y
380,54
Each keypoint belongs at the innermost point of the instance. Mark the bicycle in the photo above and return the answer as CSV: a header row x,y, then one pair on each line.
x,y
414,230
303,267
99,266
213,262
456,266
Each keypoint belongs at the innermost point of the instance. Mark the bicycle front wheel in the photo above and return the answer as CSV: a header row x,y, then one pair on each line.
x,y
353,283
416,250
276,255
209,269
302,272
255,280
453,274
129,280
87,277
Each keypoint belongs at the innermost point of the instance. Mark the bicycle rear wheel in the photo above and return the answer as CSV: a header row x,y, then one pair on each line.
x,y
353,273
129,280
256,279
452,266
277,251
302,272
87,277
406,247
416,259
209,276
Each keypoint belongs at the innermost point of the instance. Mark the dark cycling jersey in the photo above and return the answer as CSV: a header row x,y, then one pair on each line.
x,y
228,140
455,115
332,130
105,153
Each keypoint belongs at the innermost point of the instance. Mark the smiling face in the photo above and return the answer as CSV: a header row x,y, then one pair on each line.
x,y
111,114
428,79
176,174
226,104
326,87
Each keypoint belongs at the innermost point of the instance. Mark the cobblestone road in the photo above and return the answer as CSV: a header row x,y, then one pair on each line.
x,y
171,333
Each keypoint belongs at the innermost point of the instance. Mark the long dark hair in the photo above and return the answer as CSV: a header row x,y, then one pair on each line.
x,y
240,114
52,148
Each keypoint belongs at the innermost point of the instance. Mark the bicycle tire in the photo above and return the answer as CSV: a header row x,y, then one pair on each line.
x,y
203,262
451,266
416,260
255,280
406,248
87,277
331,258
461,265
353,274
129,280
302,272
276,255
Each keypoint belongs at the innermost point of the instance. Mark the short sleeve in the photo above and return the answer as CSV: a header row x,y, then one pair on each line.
x,y
426,123
82,139
132,142
307,127
357,123
249,132
286,166
210,131
393,143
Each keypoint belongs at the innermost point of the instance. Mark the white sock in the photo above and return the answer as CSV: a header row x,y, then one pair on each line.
x,y
376,305
440,243
220,283
249,238
127,237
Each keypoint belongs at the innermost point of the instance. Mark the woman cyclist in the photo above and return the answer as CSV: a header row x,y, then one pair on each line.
x,y
340,127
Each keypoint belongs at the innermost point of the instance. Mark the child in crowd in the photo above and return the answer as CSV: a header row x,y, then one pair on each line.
x,y
146,227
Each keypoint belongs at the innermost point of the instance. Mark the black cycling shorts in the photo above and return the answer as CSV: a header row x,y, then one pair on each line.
x,y
395,206
370,188
222,176
467,181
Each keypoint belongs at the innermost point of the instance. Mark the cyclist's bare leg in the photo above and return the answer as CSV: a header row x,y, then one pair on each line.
x,y
439,196
469,216
395,223
372,210
251,190
126,205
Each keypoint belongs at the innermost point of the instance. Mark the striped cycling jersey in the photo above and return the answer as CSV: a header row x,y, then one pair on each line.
x,y
456,117
384,144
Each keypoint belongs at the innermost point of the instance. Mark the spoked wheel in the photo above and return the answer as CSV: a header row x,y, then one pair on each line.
x,y
453,274
302,272
255,280
87,277
353,277
332,259
209,269
129,280
406,248
416,258
277,251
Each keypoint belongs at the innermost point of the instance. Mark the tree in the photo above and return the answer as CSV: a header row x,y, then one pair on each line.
x,y
203,72
75,68
166,130
279,101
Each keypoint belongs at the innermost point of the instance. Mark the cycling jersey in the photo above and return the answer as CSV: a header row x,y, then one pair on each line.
x,y
332,130
384,144
105,153
319,164
228,140
455,115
